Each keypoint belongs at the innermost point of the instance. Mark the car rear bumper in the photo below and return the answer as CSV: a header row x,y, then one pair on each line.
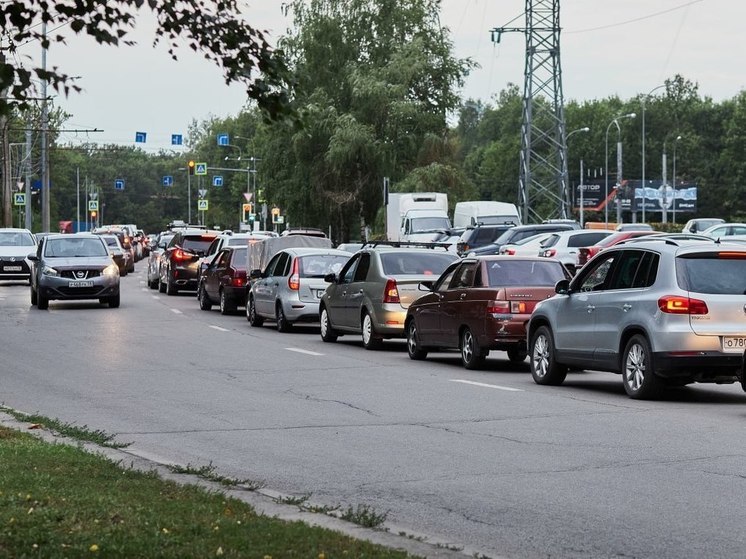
x,y
702,366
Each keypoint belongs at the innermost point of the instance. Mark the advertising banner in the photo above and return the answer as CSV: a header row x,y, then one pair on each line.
x,y
632,196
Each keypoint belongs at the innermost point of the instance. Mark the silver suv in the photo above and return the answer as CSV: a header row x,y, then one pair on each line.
x,y
657,310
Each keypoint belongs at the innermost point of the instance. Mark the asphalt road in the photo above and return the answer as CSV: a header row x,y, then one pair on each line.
x,y
485,460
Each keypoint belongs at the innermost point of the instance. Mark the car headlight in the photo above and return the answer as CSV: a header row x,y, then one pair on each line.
x,y
112,270
49,271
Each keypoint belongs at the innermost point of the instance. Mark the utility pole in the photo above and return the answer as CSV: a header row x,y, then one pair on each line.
x,y
45,215
27,168
6,186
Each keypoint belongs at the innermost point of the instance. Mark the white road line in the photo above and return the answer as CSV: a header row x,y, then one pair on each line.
x,y
495,386
218,328
304,351
144,289
176,311
155,297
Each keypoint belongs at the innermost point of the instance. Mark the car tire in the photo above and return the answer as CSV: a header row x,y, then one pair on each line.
x,y
544,367
42,302
33,296
472,356
253,318
638,370
114,301
226,306
517,354
327,332
171,289
414,349
283,325
161,286
371,340
204,299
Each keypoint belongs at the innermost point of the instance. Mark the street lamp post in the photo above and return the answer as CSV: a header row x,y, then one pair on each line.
x,y
580,185
644,184
673,179
606,168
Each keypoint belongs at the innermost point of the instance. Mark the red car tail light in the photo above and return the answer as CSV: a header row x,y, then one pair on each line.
x,y
180,255
294,279
498,307
674,304
510,251
548,253
238,281
391,292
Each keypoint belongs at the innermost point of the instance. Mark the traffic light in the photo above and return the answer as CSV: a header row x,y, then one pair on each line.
x,y
191,166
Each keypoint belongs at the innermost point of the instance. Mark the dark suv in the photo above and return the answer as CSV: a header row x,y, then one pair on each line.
x,y
479,236
180,265
517,233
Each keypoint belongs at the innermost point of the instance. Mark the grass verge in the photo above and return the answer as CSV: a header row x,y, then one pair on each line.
x,y
60,501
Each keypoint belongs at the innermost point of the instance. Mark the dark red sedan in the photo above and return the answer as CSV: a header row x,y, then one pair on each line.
x,y
479,304
224,280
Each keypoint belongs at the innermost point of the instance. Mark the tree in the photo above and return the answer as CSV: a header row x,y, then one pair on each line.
x,y
214,27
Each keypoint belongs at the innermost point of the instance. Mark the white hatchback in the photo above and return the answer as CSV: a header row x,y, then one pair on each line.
x,y
565,245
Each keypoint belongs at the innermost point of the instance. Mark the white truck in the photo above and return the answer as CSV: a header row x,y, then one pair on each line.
x,y
416,216
468,214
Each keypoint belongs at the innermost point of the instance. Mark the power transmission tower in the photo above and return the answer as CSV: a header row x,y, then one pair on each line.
x,y
543,191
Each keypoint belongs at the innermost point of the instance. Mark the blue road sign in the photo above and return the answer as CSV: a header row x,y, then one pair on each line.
x,y
217,180
224,139
119,184
200,169
168,180
19,199
140,137
177,139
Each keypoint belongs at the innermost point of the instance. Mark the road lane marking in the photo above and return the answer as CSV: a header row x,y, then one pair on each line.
x,y
218,328
304,351
495,386
176,311
155,297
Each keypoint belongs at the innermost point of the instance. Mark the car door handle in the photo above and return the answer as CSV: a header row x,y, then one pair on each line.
x,y
591,308
626,307
463,296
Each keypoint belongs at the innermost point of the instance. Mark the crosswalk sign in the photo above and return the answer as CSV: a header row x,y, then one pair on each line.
x,y
200,169
92,205
19,198
202,205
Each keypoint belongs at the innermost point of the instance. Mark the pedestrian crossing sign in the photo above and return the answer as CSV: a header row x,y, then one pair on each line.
x,y
200,169
202,205
19,199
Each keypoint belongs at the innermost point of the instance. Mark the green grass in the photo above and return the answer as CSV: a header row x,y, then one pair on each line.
x,y
60,501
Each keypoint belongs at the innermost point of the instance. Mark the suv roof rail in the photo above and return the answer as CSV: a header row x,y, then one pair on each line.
x,y
400,244
669,238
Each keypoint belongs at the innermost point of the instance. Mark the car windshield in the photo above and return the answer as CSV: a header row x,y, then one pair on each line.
x,y
415,263
524,273
16,239
715,273
318,265
71,247
111,241
427,224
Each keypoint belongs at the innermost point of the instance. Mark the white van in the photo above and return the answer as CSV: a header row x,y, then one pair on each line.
x,y
467,214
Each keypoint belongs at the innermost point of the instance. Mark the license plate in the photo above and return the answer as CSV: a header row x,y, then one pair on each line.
x,y
80,284
734,344
12,268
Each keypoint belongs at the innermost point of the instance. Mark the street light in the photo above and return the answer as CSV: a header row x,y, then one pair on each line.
x,y
584,129
676,141
644,185
619,161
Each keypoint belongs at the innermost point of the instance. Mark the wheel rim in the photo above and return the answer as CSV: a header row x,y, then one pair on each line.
x,y
467,347
324,324
412,338
367,329
540,356
634,367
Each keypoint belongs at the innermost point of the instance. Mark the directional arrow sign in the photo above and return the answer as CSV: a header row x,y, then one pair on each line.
x,y
223,140
119,184
217,180
177,139
92,205
19,199
140,137
202,205
200,168
168,180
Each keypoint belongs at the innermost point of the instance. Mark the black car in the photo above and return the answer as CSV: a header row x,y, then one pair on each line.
x,y
515,234
479,236
180,264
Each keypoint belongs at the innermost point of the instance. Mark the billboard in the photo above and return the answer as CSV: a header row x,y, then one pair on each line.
x,y
682,198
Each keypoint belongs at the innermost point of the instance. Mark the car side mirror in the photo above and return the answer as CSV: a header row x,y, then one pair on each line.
x,y
331,277
562,287
255,274
425,286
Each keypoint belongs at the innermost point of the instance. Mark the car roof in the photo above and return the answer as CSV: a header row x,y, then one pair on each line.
x,y
309,251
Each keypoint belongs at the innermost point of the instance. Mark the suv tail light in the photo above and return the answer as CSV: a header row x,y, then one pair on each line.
x,y
510,251
674,304
548,253
294,279
391,292
180,255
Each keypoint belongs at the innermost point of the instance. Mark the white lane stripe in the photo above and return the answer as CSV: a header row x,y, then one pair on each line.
x,y
155,297
495,386
218,328
305,351
176,311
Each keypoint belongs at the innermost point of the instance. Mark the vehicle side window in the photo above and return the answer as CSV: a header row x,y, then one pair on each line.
x,y
624,275
739,230
283,265
584,239
549,241
597,278
647,271
445,280
464,276
223,258
348,272
362,268
269,270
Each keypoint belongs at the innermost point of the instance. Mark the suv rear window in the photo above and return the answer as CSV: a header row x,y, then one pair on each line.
x,y
198,245
714,273
415,263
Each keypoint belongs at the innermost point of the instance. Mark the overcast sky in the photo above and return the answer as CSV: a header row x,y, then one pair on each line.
x,y
619,47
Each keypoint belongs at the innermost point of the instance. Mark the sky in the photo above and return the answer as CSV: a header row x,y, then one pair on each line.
x,y
607,47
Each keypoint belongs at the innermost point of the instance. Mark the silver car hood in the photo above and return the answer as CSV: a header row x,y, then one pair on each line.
x,y
89,262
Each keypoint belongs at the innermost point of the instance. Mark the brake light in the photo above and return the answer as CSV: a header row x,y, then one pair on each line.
x,y
294,279
674,304
391,292
180,255
734,255
548,253
498,307
238,281
510,251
